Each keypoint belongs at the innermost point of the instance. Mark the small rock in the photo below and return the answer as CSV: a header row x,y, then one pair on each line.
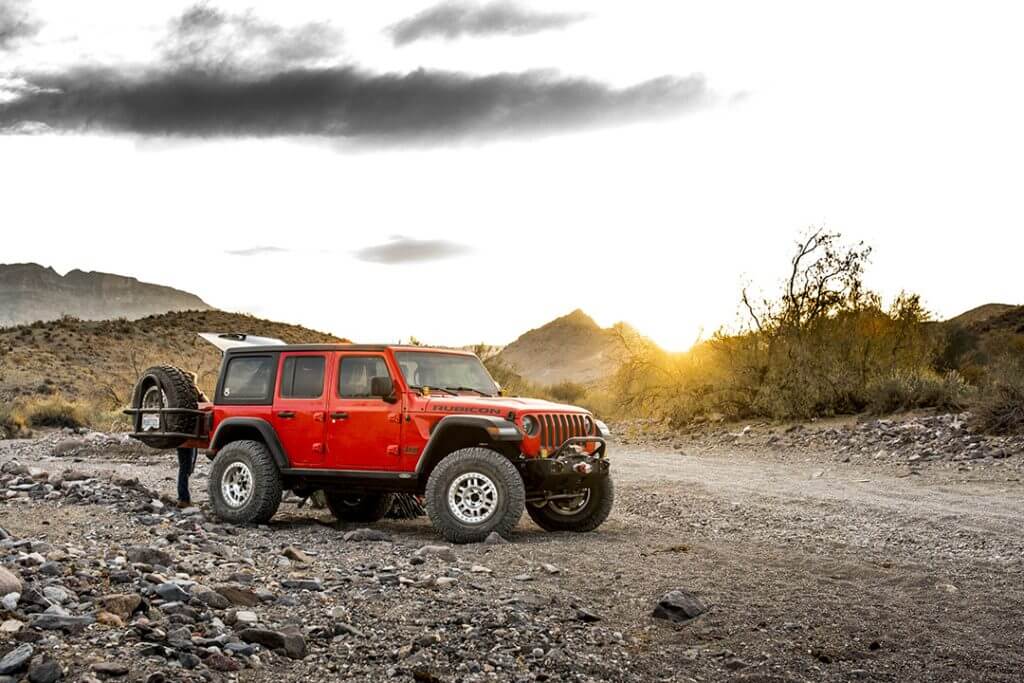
x,y
293,553
366,535
494,538
219,662
302,584
679,606
109,619
149,555
441,551
238,596
45,670
550,568
111,669
15,660
10,601
9,583
586,616
246,618
121,604
59,622
171,592
11,626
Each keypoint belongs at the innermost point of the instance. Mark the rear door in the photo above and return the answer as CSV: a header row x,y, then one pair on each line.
x,y
363,431
300,403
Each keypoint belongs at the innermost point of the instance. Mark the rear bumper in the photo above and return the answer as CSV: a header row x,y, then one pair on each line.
x,y
569,468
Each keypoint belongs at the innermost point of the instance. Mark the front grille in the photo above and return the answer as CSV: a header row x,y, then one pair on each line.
x,y
555,428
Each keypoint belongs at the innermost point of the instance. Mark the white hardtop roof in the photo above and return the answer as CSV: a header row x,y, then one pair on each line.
x,y
225,341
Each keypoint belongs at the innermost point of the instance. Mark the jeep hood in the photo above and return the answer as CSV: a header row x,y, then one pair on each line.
x,y
497,405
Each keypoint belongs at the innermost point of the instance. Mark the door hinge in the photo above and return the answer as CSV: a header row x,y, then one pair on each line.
x,y
393,450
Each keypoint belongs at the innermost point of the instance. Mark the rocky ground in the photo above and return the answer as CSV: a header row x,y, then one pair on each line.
x,y
828,552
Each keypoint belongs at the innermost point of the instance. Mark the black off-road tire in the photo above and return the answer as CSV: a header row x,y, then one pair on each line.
x,y
587,518
179,391
370,507
259,507
509,502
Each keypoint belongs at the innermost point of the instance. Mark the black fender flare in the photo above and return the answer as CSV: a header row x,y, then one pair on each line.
x,y
265,429
498,429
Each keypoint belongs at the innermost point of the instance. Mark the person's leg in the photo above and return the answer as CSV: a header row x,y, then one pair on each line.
x,y
184,470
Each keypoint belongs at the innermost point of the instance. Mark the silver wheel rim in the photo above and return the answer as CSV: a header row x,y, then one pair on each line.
x,y
473,498
154,398
236,486
570,506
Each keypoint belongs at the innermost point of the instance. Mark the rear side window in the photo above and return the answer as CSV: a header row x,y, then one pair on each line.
x,y
302,377
356,372
249,379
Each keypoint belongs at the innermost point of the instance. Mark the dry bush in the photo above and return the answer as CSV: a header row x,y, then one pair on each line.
x,y
56,411
999,405
908,390
567,392
13,424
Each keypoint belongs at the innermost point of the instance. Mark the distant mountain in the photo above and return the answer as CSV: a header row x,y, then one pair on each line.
x,y
981,314
31,292
571,348
99,361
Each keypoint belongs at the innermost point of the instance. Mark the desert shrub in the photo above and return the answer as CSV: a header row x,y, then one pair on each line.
x,y
907,390
824,345
567,392
56,411
998,407
13,424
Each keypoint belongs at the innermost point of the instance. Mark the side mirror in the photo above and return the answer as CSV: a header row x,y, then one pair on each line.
x,y
383,387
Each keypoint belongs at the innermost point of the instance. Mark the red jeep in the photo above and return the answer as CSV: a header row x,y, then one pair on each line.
x,y
363,422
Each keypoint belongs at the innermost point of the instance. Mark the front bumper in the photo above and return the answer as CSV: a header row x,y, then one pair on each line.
x,y
569,468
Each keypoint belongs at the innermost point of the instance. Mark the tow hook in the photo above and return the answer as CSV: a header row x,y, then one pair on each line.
x,y
583,468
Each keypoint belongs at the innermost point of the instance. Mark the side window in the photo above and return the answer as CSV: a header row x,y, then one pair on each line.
x,y
302,377
355,373
249,379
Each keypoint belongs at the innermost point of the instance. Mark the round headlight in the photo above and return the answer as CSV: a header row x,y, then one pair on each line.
x,y
588,425
529,425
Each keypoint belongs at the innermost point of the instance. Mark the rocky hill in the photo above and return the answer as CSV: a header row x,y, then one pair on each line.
x,y
99,361
30,292
571,348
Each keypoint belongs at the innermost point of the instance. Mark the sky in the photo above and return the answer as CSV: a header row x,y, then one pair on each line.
x,y
463,172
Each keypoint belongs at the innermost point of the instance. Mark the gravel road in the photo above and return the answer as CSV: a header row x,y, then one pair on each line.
x,y
814,571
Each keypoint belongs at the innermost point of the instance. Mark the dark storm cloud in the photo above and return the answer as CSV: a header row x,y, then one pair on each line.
x,y
452,20
407,250
16,23
256,251
204,37
425,106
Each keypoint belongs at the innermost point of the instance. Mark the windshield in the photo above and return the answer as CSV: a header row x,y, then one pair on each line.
x,y
445,371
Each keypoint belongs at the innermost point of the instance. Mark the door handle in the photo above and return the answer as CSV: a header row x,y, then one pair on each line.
x,y
339,416
286,414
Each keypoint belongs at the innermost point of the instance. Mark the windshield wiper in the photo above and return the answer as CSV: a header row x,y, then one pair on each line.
x,y
478,391
420,389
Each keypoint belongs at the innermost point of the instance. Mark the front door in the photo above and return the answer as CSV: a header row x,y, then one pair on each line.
x,y
363,431
300,408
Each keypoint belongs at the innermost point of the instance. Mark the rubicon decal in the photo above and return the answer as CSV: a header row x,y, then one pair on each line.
x,y
480,410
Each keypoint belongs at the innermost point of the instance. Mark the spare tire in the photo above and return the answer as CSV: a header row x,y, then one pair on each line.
x,y
166,386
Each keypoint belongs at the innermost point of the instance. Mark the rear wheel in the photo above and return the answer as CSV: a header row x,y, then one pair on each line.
x,y
370,507
584,511
473,492
245,484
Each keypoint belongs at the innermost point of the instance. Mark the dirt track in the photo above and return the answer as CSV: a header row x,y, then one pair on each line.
x,y
814,572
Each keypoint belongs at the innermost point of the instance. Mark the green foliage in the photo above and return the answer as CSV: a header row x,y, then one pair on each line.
x,y
907,390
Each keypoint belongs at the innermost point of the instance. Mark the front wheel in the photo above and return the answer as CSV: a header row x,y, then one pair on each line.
x,y
245,484
585,511
474,492
370,507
